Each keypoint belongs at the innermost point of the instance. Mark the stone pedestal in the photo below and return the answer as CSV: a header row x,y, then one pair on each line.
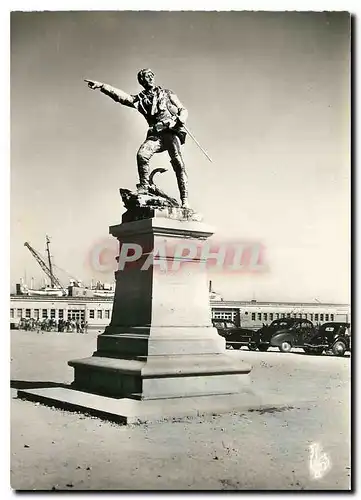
x,y
161,342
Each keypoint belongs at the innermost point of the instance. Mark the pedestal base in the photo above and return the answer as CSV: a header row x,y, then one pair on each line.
x,y
159,377
160,342
129,411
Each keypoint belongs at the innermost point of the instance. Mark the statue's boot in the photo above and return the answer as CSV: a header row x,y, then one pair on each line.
x,y
182,181
143,171
142,188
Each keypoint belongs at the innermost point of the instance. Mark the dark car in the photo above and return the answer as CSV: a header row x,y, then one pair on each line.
x,y
283,333
235,336
335,337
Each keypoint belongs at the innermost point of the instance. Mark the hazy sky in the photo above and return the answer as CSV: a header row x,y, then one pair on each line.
x,y
268,97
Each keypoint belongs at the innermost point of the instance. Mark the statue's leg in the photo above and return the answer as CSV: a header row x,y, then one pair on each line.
x,y
174,150
145,153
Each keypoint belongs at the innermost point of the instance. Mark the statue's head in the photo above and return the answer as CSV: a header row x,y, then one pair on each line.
x,y
146,78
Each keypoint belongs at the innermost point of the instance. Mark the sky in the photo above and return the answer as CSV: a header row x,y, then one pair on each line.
x,y
268,95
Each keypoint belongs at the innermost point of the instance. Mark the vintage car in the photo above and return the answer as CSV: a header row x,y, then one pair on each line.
x,y
235,336
283,333
335,337
291,332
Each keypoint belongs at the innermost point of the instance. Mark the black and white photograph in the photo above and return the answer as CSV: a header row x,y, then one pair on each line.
x,y
180,250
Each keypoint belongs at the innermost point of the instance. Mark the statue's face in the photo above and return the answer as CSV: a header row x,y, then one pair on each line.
x,y
148,80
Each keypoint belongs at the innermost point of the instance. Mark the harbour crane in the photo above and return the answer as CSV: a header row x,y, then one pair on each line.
x,y
48,270
52,277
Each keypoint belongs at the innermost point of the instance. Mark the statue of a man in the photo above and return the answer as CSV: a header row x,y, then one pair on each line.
x,y
166,116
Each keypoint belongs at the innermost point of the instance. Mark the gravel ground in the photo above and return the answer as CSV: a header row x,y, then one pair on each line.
x,y
264,450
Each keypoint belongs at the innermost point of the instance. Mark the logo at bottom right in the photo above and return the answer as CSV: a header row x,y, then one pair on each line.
x,y
320,462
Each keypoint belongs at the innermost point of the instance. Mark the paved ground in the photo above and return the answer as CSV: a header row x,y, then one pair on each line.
x,y
53,449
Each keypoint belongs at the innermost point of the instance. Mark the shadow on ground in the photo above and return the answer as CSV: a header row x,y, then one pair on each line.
x,y
330,355
25,384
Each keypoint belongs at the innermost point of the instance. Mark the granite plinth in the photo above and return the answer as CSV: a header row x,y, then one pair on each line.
x,y
161,342
159,377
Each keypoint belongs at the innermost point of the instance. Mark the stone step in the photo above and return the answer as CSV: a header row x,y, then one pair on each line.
x,y
129,411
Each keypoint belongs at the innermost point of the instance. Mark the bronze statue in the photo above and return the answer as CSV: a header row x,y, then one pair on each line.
x,y
166,117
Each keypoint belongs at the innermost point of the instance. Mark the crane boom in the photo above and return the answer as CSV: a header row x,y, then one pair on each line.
x,y
53,279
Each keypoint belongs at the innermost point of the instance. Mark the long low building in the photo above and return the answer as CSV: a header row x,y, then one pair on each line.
x,y
97,311
253,314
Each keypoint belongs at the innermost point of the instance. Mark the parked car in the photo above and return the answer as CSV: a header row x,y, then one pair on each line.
x,y
335,337
291,332
283,333
235,336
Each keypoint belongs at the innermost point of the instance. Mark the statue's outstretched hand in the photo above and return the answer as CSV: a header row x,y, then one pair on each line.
x,y
92,84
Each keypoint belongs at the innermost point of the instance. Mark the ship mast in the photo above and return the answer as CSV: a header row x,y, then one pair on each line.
x,y
52,281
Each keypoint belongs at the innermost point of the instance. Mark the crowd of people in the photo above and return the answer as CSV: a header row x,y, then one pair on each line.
x,y
53,325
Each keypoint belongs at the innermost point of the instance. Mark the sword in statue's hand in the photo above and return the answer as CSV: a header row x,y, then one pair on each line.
x,y
196,142
194,139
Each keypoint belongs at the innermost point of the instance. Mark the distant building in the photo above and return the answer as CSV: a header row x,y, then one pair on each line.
x,y
97,311
214,295
253,314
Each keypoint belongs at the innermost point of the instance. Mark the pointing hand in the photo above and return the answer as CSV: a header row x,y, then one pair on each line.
x,y
92,84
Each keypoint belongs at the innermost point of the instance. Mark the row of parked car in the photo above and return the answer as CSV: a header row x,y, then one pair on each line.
x,y
287,333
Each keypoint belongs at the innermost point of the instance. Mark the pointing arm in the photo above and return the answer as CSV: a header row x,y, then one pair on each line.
x,y
116,94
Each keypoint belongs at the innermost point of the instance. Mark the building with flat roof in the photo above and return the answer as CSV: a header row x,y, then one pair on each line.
x,y
97,311
252,314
